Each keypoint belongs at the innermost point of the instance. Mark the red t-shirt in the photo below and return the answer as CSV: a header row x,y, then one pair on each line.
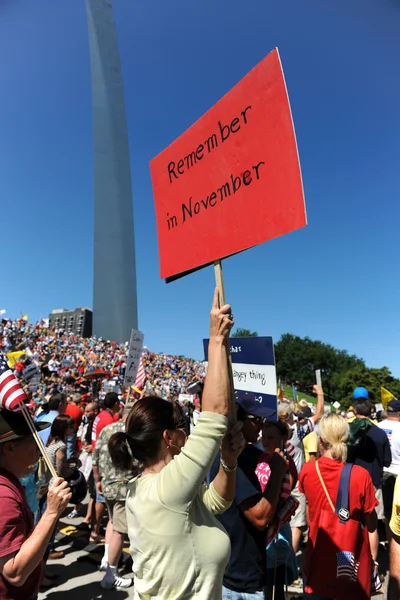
x,y
76,413
102,420
361,493
16,525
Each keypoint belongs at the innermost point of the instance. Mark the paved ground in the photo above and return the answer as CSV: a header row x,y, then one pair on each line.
x,y
79,576
78,572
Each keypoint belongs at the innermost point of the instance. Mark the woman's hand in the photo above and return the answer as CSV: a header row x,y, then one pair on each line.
x,y
221,320
233,444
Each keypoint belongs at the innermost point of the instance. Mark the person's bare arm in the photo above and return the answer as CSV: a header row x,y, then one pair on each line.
x,y
260,512
62,467
371,521
17,567
319,409
216,389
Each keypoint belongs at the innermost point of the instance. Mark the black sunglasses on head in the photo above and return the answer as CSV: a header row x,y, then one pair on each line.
x,y
255,418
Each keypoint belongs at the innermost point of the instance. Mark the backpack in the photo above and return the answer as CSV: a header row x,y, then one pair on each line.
x,y
357,444
338,558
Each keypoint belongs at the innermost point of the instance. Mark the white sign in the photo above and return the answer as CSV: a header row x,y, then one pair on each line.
x,y
133,360
186,398
254,374
318,377
255,378
378,407
336,404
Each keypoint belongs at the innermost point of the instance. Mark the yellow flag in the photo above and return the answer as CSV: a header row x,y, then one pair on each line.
x,y
12,358
386,396
25,318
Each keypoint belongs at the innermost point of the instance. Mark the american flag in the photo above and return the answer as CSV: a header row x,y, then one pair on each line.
x,y
11,392
347,566
140,376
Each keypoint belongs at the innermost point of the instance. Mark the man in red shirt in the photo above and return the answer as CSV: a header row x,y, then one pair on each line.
x,y
21,546
74,410
76,413
107,415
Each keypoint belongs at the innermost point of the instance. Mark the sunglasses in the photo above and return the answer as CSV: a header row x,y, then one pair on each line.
x,y
255,418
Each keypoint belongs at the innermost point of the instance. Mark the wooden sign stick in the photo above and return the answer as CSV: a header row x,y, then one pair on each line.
x,y
28,418
219,280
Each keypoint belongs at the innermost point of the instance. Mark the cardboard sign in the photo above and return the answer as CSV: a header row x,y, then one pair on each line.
x,y
318,377
133,360
233,179
253,365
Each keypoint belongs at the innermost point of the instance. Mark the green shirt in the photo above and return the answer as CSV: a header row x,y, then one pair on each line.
x,y
114,481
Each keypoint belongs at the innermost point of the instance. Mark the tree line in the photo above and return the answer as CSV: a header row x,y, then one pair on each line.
x,y
298,358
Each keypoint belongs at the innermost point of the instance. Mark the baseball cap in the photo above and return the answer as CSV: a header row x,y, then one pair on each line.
x,y
254,404
13,426
360,392
305,413
393,406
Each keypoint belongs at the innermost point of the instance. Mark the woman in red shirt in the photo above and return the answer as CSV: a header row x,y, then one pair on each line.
x,y
334,433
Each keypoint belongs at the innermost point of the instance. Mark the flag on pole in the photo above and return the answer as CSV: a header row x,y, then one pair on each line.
x,y
25,318
386,396
141,376
294,394
280,392
12,357
11,392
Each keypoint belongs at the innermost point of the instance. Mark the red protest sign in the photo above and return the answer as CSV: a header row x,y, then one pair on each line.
x,y
233,179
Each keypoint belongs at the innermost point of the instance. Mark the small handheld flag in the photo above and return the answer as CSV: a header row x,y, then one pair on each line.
x,y
11,392
141,375
386,396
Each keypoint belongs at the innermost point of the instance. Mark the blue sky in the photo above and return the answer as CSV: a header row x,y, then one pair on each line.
x,y
335,280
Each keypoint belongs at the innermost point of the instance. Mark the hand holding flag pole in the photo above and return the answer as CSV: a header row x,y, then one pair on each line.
x,y
12,398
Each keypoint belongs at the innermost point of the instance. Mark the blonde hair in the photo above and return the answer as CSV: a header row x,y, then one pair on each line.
x,y
334,432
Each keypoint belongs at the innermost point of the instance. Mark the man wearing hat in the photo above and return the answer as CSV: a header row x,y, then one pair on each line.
x,y
252,510
369,447
21,546
391,426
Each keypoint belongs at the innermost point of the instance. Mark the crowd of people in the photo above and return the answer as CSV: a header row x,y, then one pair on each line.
x,y
214,507
79,365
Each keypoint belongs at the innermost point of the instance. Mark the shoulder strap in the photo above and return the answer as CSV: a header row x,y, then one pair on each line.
x,y
324,486
342,500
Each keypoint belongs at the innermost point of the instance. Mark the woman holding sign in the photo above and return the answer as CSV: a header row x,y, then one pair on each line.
x,y
179,549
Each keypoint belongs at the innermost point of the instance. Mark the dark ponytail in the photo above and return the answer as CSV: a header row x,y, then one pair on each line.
x,y
145,425
120,452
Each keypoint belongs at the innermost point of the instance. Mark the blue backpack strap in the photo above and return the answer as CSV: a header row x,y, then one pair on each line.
x,y
342,499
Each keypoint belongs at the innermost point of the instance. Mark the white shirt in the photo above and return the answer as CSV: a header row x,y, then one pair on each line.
x,y
392,430
295,446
